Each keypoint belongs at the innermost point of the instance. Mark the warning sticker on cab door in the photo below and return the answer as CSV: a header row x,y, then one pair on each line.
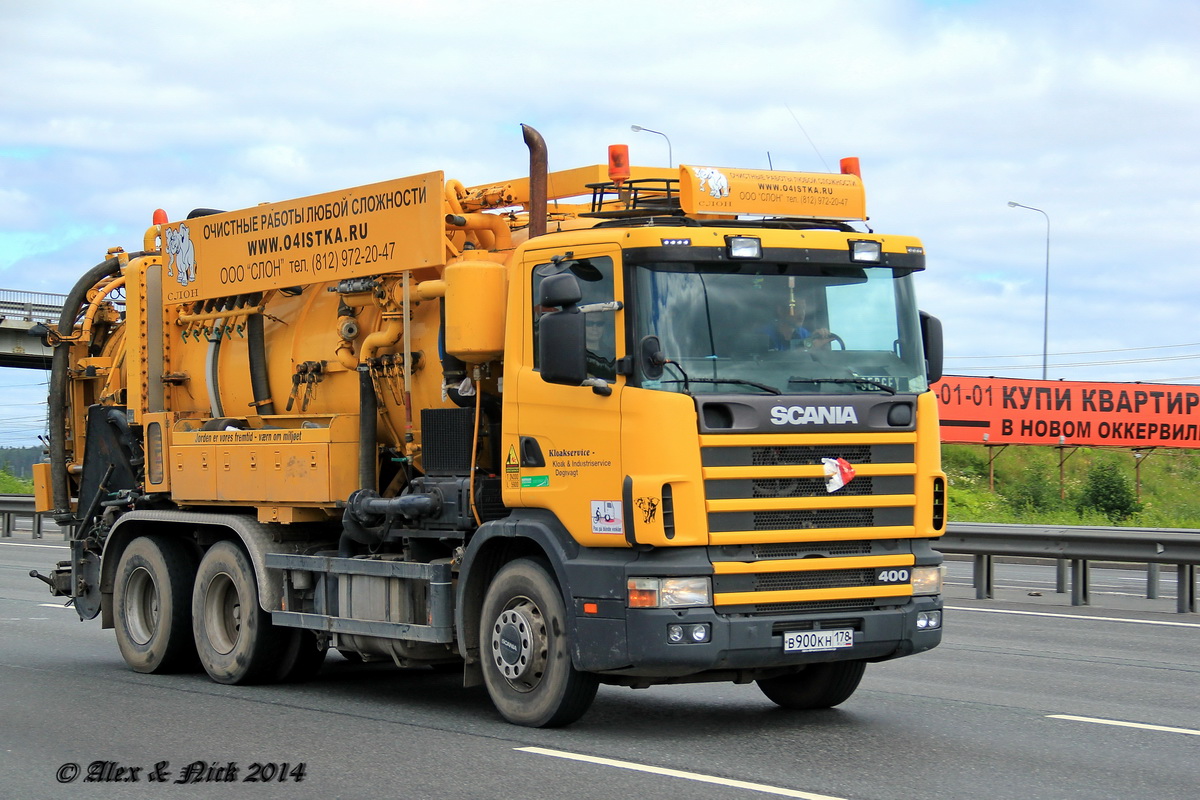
x,y
607,517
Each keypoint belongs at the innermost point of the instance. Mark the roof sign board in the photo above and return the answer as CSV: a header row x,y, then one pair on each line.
x,y
724,190
383,227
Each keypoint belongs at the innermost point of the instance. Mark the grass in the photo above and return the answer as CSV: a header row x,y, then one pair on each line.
x,y
1028,488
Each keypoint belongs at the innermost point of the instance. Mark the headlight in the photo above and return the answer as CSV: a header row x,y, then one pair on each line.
x,y
866,251
669,592
927,580
743,247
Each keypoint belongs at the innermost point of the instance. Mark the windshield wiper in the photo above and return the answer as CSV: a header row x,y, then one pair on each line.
x,y
854,381
740,381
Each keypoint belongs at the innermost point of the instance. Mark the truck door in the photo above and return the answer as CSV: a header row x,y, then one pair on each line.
x,y
563,454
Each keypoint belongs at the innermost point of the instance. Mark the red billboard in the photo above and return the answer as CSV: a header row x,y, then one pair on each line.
x,y
1015,411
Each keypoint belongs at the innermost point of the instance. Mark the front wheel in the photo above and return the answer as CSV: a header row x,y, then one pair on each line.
x,y
235,639
523,645
816,686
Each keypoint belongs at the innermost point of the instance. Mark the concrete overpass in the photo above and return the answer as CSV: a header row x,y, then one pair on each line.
x,y
20,311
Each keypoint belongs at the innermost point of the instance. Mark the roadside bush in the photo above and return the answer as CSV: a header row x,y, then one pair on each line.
x,y
1033,488
9,484
1106,489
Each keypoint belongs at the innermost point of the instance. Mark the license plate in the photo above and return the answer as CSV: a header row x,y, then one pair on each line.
x,y
815,641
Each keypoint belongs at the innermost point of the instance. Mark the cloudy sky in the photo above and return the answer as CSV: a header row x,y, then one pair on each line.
x,y
1089,111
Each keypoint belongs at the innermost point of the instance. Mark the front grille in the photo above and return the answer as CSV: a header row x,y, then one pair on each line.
x,y
809,487
828,579
787,455
751,489
818,518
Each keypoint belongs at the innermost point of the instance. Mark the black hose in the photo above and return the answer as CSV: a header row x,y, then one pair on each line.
x,y
368,424
354,533
260,386
60,367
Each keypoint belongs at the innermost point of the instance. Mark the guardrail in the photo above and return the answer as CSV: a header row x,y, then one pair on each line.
x,y
13,506
1078,546
31,306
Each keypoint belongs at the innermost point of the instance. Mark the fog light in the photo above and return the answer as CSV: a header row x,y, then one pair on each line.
x,y
699,633
675,633
928,620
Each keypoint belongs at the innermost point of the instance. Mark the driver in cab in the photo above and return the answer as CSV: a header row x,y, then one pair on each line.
x,y
787,330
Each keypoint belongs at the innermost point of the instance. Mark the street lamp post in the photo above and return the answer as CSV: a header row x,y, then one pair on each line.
x,y
1046,302
670,157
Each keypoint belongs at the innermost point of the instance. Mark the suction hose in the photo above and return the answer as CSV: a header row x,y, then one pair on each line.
x,y
60,367
259,385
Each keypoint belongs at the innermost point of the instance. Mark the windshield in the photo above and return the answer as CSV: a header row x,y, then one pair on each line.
x,y
780,328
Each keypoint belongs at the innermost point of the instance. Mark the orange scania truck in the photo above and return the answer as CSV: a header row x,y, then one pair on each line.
x,y
612,425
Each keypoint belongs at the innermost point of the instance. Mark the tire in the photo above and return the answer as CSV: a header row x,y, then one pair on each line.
x,y
523,645
301,657
152,610
235,639
816,686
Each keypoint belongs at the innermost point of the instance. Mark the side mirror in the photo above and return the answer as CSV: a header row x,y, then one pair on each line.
x,y
562,342
650,358
931,341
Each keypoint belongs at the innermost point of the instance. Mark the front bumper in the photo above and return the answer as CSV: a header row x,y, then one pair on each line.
x,y
639,646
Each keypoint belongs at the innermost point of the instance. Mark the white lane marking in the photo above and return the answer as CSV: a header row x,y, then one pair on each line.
x,y
1120,724
31,544
674,773
1076,616
53,605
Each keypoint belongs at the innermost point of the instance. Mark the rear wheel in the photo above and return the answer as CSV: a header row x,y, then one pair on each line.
x,y
235,639
301,657
816,686
523,645
152,604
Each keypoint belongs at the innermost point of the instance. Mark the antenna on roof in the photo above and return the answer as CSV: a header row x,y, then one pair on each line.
x,y
806,136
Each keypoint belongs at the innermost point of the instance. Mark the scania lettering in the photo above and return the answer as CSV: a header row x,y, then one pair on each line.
x,y
814,415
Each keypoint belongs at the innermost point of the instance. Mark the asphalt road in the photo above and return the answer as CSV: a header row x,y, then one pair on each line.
x,y
1027,698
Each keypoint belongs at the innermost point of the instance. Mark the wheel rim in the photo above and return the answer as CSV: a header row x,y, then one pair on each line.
x,y
141,605
223,613
519,644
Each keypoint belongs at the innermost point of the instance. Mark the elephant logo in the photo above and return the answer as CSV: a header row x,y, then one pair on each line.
x,y
712,181
181,255
649,508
